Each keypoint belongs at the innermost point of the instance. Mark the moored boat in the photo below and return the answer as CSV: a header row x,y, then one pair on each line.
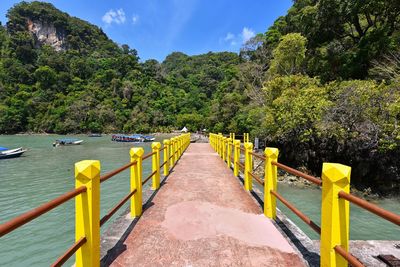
x,y
131,138
6,153
67,142
94,135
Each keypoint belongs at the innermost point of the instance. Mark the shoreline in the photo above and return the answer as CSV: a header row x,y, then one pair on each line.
x,y
50,134
292,180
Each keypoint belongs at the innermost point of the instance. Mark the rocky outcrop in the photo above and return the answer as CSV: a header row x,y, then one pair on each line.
x,y
47,34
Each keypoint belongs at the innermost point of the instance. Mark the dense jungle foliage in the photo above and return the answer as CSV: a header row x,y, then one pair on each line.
x,y
322,84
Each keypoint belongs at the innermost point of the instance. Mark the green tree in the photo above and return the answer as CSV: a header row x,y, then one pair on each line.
x,y
289,55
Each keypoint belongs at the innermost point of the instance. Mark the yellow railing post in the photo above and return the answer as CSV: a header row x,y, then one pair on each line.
x,y
220,144
180,146
166,157
229,150
155,146
176,150
87,212
335,214
233,136
136,181
236,157
171,153
248,166
224,148
270,182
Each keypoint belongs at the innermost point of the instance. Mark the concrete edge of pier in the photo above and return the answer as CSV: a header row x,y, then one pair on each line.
x,y
112,241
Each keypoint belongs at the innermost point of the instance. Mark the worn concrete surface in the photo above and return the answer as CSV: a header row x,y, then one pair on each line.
x,y
203,217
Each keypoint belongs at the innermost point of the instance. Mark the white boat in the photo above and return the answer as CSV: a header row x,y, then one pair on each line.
x,y
9,151
67,142
12,153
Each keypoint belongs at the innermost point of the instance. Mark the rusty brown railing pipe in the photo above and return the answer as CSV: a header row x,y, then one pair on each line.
x,y
258,156
116,207
240,165
61,260
34,213
347,256
258,179
387,215
310,178
301,215
107,176
148,155
148,177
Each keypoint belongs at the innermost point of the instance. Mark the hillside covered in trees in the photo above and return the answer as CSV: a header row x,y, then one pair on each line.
x,y
322,84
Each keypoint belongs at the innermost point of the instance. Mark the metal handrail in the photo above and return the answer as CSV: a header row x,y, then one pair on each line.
x,y
258,156
296,211
107,176
162,165
348,256
116,207
148,155
240,165
71,251
148,178
34,213
258,179
310,178
387,215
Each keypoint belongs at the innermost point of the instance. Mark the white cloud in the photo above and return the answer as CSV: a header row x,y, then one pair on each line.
x,y
135,19
240,38
229,36
247,34
114,16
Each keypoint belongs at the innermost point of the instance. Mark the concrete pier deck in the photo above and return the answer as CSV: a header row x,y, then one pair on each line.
x,y
202,216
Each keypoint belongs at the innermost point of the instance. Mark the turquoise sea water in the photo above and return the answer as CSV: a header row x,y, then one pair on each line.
x,y
44,173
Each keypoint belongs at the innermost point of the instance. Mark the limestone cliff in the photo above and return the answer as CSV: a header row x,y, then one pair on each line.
x,y
47,33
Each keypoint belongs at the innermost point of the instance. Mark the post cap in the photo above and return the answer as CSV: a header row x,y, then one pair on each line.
x,y
248,145
136,152
335,172
166,142
155,145
271,152
87,169
236,142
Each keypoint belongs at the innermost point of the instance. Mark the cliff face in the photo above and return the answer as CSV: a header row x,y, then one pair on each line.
x,y
46,34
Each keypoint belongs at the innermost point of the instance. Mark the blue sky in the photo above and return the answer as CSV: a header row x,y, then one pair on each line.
x,y
158,27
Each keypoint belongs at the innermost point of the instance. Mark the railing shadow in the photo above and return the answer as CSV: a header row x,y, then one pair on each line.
x,y
284,225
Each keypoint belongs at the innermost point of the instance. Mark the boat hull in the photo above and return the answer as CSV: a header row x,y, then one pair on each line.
x,y
12,155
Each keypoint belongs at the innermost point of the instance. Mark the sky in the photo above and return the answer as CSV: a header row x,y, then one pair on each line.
x,y
155,28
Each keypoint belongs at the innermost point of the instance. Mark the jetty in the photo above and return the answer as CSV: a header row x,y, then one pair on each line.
x,y
203,211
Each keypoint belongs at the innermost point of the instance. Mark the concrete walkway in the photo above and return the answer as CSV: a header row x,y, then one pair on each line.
x,y
203,217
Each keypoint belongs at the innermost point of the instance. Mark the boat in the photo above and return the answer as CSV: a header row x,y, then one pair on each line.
x,y
148,138
6,153
67,142
94,135
137,138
